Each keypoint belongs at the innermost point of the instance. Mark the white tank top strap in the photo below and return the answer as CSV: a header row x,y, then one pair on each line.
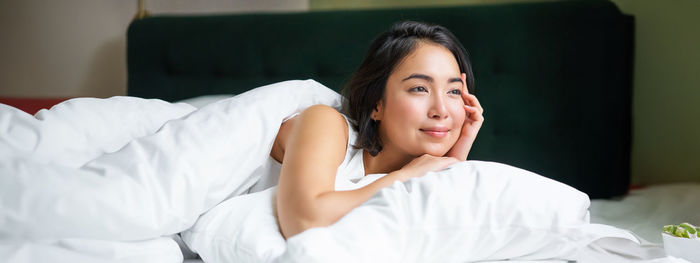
x,y
352,169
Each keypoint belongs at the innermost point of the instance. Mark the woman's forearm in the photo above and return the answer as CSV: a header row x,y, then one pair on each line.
x,y
329,207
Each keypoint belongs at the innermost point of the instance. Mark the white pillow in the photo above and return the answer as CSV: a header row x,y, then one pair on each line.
x,y
241,229
471,211
201,101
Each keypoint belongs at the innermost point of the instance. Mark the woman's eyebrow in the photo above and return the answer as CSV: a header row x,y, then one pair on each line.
x,y
429,78
419,76
454,80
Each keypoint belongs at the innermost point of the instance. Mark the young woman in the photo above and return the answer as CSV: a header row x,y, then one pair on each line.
x,y
411,110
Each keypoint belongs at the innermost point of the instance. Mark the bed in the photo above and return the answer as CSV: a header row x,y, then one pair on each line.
x,y
545,72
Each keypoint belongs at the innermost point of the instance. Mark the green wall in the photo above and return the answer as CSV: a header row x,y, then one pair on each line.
x,y
666,96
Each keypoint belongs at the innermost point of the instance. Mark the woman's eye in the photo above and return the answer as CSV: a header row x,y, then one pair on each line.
x,y
455,91
418,89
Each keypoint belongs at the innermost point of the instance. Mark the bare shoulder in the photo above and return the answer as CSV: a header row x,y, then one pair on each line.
x,y
320,122
322,112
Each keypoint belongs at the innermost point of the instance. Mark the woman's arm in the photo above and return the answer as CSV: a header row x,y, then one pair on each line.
x,y
314,147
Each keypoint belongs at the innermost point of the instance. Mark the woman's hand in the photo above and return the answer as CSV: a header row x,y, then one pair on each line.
x,y
423,164
471,126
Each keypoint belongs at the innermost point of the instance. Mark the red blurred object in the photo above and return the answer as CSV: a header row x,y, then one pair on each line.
x,y
636,187
633,187
31,105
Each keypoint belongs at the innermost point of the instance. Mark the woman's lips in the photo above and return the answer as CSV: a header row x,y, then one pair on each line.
x,y
438,132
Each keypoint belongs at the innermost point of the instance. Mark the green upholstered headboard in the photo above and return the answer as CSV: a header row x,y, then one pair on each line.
x,y
555,78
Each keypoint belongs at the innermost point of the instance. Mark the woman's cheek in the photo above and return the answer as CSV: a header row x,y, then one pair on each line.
x,y
411,110
457,110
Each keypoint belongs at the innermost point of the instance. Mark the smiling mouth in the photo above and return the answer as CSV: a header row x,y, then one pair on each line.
x,y
437,133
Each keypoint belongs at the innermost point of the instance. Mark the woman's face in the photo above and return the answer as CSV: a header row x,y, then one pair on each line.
x,y
422,111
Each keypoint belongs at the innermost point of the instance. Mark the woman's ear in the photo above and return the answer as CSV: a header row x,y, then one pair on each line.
x,y
377,113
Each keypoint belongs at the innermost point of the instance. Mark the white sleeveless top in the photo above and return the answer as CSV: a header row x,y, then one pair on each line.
x,y
350,174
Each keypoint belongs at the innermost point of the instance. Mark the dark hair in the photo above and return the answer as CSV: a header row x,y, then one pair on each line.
x,y
367,85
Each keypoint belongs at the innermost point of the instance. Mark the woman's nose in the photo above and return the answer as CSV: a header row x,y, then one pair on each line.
x,y
438,109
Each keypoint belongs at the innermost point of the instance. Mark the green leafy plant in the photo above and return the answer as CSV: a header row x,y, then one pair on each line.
x,y
685,230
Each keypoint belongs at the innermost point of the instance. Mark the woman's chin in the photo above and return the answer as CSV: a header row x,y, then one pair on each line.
x,y
434,151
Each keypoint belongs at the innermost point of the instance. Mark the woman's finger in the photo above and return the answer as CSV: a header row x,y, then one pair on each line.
x,y
447,161
464,82
471,109
474,113
474,102
465,92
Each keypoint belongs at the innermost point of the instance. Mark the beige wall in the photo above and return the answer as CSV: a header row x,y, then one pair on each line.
x,y
63,48
666,100
73,48
666,96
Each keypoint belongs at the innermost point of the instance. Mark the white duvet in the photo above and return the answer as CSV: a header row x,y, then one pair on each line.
x,y
108,180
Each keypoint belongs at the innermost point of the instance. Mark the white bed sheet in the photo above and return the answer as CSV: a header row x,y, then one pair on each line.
x,y
645,211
